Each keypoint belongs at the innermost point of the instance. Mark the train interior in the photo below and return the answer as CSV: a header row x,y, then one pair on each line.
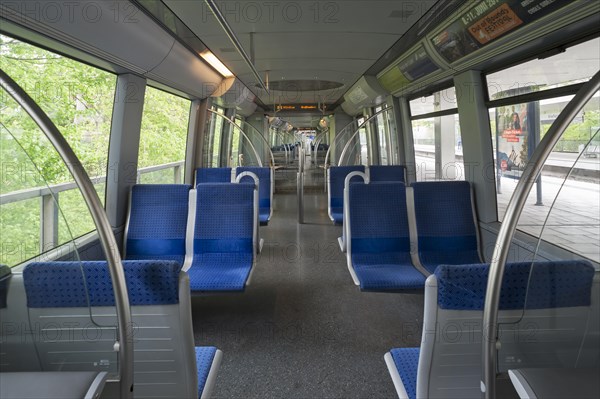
x,y
297,199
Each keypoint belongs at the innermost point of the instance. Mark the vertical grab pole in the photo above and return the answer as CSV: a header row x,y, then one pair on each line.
x,y
513,212
300,185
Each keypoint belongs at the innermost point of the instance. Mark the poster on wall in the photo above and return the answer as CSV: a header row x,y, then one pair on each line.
x,y
512,136
488,20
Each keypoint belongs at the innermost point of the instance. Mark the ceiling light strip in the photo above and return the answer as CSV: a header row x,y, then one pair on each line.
x,y
225,25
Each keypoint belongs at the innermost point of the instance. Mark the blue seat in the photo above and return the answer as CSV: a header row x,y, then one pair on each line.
x,y
265,190
378,241
335,190
447,231
544,317
213,175
406,361
205,357
224,237
156,227
167,364
387,173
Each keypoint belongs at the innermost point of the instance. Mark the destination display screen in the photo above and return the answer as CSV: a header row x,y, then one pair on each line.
x,y
301,107
488,20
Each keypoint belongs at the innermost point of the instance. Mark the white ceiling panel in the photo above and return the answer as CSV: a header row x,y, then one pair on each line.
x,y
307,39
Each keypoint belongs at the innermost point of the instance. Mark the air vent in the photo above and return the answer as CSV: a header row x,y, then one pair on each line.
x,y
403,14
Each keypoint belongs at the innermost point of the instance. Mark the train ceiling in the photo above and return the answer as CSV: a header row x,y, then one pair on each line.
x,y
311,51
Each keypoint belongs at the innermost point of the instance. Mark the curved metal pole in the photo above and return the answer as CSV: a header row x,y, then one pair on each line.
x,y
285,147
336,138
317,142
358,130
513,212
285,136
244,134
268,146
105,233
333,144
242,130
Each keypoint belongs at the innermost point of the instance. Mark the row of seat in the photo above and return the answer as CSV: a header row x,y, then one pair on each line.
x,y
548,318
336,176
265,189
396,236
60,316
212,230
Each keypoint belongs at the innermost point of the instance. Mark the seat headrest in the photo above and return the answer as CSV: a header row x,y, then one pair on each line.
x,y
525,285
88,283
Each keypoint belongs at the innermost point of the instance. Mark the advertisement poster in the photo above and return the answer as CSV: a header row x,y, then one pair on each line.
x,y
488,20
512,137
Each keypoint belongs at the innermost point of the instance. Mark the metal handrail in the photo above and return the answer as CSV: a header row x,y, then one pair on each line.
x,y
317,141
507,229
124,345
336,138
243,134
358,130
285,147
42,191
267,145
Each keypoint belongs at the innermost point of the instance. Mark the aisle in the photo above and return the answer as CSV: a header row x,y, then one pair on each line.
x,y
302,329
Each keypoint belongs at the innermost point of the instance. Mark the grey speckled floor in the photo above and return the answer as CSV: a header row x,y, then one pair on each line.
x,y
302,329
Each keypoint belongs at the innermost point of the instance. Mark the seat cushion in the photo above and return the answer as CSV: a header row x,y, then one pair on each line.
x,y
204,360
180,259
407,364
220,271
392,271
432,259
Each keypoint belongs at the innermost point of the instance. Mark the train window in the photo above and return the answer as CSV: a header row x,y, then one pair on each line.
x,y
439,101
576,64
235,144
437,139
362,155
438,148
571,169
163,137
79,100
383,137
214,137
41,205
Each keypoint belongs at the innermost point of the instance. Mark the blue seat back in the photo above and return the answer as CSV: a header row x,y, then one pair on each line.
x,y
544,320
225,218
387,173
88,283
337,175
213,175
445,222
378,218
157,222
525,285
162,334
264,179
